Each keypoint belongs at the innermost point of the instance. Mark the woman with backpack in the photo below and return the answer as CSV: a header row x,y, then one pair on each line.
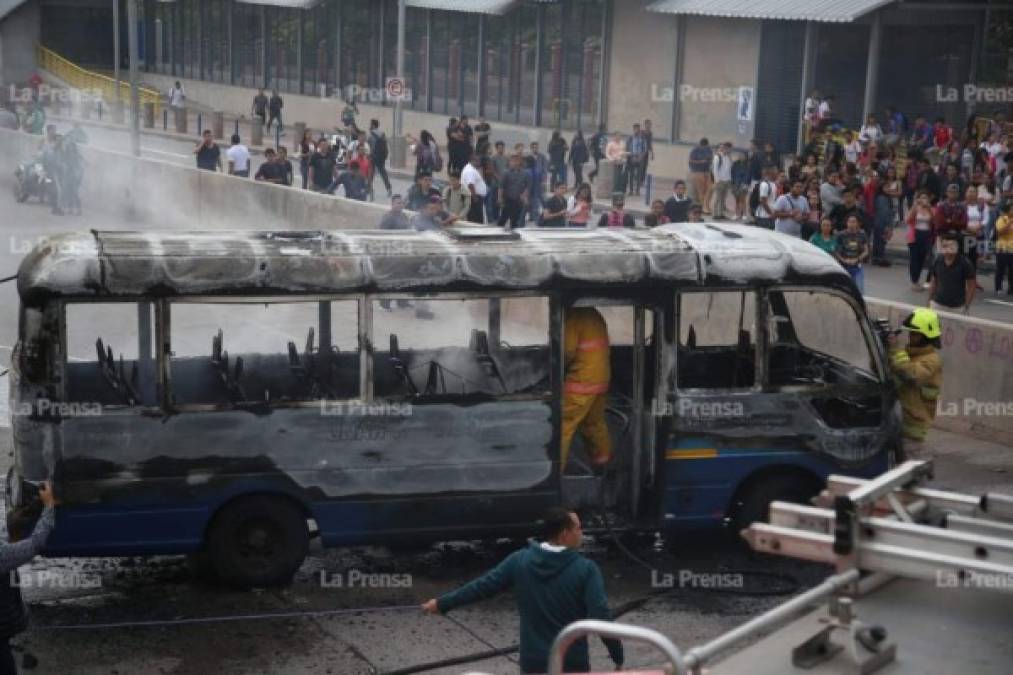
x,y
427,154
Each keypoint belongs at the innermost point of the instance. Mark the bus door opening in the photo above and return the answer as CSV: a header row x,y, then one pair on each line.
x,y
608,389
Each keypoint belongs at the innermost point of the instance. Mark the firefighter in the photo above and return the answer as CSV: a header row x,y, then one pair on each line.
x,y
918,373
585,389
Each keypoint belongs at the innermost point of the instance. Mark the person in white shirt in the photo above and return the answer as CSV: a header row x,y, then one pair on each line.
x,y
176,96
239,158
721,167
791,210
852,148
871,132
811,114
473,182
767,193
824,114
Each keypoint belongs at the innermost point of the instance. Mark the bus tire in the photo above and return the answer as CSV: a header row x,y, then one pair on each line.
x,y
258,541
754,504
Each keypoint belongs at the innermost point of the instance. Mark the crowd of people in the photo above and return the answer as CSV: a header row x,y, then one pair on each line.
x,y
849,193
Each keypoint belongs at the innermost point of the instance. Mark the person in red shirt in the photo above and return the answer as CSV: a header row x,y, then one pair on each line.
x,y
942,136
951,217
869,191
361,159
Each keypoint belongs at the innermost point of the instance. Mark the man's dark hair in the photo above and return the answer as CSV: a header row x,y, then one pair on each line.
x,y
268,152
235,139
207,132
556,521
950,236
499,144
704,141
374,124
678,183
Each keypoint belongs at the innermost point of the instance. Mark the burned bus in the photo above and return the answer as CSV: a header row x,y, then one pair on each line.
x,y
232,394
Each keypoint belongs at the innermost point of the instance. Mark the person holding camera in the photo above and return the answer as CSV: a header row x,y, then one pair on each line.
x,y
13,613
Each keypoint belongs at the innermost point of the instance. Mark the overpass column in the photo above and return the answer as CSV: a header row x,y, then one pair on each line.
x,y
872,65
808,68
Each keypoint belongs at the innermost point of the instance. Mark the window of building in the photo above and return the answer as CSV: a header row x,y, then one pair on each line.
x,y
263,353
717,340
451,348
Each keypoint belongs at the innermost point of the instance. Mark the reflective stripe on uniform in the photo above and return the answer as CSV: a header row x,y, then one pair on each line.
x,y
593,345
586,387
899,358
930,393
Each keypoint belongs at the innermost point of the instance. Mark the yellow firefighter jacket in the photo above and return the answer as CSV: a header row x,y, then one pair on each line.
x,y
918,373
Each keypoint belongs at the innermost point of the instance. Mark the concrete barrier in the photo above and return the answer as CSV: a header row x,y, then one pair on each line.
x,y
977,356
155,194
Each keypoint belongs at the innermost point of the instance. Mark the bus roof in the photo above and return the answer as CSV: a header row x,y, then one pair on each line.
x,y
99,264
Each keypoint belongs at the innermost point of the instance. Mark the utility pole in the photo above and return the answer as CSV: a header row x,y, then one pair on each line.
x,y
135,103
116,49
399,144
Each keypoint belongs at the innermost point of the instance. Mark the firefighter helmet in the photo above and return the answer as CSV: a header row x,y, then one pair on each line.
x,y
923,321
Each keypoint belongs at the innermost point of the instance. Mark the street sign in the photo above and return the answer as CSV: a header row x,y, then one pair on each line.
x,y
397,89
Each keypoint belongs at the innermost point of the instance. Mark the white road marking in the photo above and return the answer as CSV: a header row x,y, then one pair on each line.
x,y
999,302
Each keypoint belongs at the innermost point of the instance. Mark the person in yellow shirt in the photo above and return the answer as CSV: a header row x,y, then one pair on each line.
x,y
918,373
586,384
1004,248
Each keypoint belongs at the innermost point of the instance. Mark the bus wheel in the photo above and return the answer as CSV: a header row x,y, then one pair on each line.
x,y
258,541
754,506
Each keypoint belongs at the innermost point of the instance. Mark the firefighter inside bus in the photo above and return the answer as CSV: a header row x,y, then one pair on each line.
x,y
586,356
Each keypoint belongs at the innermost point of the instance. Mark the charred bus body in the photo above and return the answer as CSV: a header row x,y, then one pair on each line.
x,y
215,391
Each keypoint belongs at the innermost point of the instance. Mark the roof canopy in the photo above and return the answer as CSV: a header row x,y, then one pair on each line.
x,y
828,11
133,264
474,6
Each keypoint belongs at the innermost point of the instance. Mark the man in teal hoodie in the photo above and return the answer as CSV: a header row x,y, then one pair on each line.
x,y
554,586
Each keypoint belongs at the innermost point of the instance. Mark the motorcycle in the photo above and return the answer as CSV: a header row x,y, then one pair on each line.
x,y
32,181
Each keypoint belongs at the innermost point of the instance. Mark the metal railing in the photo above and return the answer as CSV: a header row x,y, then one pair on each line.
x,y
682,663
80,78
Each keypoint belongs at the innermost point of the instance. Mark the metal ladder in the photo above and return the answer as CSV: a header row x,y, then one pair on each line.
x,y
886,527
892,526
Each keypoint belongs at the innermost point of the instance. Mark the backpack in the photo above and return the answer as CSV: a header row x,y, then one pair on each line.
x,y
380,149
754,197
437,160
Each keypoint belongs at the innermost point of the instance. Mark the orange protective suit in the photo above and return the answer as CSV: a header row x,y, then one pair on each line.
x,y
585,389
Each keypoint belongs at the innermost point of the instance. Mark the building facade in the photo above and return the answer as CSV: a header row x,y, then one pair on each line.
x,y
723,69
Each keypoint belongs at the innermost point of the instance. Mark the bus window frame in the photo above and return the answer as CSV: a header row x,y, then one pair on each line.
x,y
164,331
871,340
60,360
552,303
759,347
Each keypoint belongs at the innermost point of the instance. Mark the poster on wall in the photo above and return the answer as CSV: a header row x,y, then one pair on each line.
x,y
745,104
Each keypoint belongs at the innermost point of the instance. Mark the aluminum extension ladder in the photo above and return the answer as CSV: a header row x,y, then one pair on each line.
x,y
892,526
886,527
